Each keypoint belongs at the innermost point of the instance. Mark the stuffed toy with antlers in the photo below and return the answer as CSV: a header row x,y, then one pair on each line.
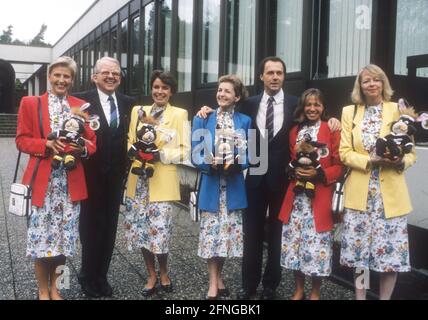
x,y
144,151
400,140
71,133
307,156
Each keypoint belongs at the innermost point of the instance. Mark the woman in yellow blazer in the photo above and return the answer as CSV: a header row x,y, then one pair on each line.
x,y
376,196
148,215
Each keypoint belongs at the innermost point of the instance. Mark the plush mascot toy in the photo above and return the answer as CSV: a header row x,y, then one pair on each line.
x,y
144,150
71,132
228,145
400,140
307,156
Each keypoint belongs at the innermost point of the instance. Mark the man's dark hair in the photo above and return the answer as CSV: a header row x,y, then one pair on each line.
x,y
271,58
166,77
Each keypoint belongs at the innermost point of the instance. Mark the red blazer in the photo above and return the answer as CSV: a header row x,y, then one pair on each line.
x,y
28,140
333,170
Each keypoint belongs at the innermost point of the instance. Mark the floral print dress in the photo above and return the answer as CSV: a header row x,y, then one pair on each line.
x,y
53,228
369,240
302,247
148,224
221,232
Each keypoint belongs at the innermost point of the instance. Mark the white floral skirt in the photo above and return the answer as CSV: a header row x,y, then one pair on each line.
x,y
221,232
372,242
54,228
147,224
302,247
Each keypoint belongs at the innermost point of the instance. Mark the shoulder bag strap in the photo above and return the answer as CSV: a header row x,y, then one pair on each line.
x,y
39,111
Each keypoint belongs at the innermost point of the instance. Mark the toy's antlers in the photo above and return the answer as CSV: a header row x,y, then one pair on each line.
x,y
85,106
141,114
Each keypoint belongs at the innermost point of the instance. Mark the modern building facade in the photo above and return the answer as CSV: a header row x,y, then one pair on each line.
x,y
324,43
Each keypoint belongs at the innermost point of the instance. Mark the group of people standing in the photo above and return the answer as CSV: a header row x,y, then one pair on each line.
x,y
239,211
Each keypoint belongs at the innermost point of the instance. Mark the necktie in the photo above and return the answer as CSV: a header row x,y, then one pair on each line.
x,y
269,118
113,113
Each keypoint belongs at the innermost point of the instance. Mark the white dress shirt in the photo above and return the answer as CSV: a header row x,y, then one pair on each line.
x,y
106,105
278,113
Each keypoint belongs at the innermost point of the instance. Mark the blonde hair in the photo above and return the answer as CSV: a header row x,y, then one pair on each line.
x,y
357,95
65,62
238,86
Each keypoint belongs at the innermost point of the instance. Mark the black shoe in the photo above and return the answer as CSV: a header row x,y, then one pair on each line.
x,y
245,294
90,289
148,292
105,288
167,287
207,297
224,293
268,294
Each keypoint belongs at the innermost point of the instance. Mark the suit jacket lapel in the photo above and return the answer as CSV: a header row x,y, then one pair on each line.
x,y
46,122
98,109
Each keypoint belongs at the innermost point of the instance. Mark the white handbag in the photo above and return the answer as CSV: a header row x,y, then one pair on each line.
x,y
193,201
20,199
20,194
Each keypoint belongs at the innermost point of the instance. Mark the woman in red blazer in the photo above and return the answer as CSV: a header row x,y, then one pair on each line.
x,y
306,209
53,223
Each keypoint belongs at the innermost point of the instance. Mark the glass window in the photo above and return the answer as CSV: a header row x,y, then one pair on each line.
x,y
185,42
149,29
412,34
104,45
98,49
124,45
166,29
349,37
135,54
289,23
210,41
114,43
240,38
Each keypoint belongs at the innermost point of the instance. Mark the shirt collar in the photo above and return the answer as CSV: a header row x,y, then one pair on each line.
x,y
104,97
278,97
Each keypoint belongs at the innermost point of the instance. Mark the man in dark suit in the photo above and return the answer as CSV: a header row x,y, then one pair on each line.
x,y
272,115
105,172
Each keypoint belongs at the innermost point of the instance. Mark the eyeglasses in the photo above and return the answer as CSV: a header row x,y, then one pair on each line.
x,y
105,74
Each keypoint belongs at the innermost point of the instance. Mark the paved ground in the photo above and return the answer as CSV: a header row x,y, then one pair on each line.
x,y
127,273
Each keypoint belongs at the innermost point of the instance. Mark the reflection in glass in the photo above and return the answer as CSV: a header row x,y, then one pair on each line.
x,y
114,43
104,45
210,41
135,54
349,37
411,35
124,45
149,28
185,39
289,33
166,29
240,38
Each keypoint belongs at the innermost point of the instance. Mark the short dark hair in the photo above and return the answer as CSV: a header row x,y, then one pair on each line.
x,y
271,58
299,114
166,77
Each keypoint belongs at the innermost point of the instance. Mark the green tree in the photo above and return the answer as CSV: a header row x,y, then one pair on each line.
x,y
6,37
39,39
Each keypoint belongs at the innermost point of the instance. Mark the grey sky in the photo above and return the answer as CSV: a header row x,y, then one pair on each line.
x,y
27,16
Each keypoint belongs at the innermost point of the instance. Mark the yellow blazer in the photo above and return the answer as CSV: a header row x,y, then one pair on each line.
x,y
173,141
395,196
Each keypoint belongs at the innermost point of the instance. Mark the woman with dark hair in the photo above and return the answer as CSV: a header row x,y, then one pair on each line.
x,y
306,234
149,197
222,195
57,190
